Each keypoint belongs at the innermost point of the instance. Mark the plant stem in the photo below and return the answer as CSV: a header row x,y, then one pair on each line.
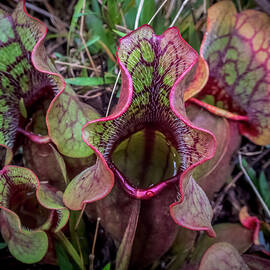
x,y
70,249
179,12
232,183
79,218
161,6
107,50
92,255
112,94
125,249
253,186
35,138
84,43
73,65
138,14
218,111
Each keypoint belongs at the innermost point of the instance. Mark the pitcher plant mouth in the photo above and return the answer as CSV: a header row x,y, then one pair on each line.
x,y
156,70
148,142
28,209
145,162
36,205
24,203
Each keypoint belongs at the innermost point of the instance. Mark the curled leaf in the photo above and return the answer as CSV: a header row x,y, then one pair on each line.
x,y
195,211
26,246
90,185
222,256
250,222
50,198
199,80
28,79
28,209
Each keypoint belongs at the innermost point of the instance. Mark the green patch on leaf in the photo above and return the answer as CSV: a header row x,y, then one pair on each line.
x,y
65,119
236,47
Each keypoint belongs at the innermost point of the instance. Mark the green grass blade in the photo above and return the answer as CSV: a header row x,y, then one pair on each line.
x,y
86,81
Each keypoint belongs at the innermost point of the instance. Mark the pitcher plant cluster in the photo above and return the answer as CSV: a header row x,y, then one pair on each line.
x,y
151,166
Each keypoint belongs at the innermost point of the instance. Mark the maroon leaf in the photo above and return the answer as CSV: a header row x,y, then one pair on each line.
x,y
212,174
47,164
90,185
195,211
250,222
235,234
156,230
125,249
236,47
256,262
222,256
